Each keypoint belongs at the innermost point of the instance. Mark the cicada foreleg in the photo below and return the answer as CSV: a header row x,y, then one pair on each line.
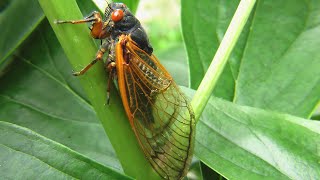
x,y
97,24
93,17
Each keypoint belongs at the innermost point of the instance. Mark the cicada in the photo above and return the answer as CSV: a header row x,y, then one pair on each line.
x,y
158,112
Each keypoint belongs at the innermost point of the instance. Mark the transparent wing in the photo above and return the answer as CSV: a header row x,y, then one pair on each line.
x,y
160,114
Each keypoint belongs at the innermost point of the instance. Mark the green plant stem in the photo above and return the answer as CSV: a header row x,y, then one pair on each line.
x,y
80,50
215,69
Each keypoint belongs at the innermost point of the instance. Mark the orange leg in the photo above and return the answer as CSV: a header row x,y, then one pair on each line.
x,y
94,16
105,47
97,30
85,69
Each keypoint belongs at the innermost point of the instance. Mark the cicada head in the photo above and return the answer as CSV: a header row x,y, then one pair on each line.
x,y
117,15
115,11
119,20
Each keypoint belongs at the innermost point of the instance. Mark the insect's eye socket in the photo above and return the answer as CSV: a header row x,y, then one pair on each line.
x,y
117,15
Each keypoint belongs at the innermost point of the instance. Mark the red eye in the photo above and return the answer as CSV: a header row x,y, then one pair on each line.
x,y
117,15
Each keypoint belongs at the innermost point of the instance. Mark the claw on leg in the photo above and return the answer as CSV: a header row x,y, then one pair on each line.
x,y
85,69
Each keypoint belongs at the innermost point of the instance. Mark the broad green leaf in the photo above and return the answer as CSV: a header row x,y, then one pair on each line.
x,y
203,25
280,67
278,56
42,56
242,142
25,154
17,20
39,92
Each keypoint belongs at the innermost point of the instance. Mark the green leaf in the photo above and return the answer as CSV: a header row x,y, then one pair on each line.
x,y
67,111
280,67
26,154
203,25
219,61
39,92
242,142
26,15
17,20
275,63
